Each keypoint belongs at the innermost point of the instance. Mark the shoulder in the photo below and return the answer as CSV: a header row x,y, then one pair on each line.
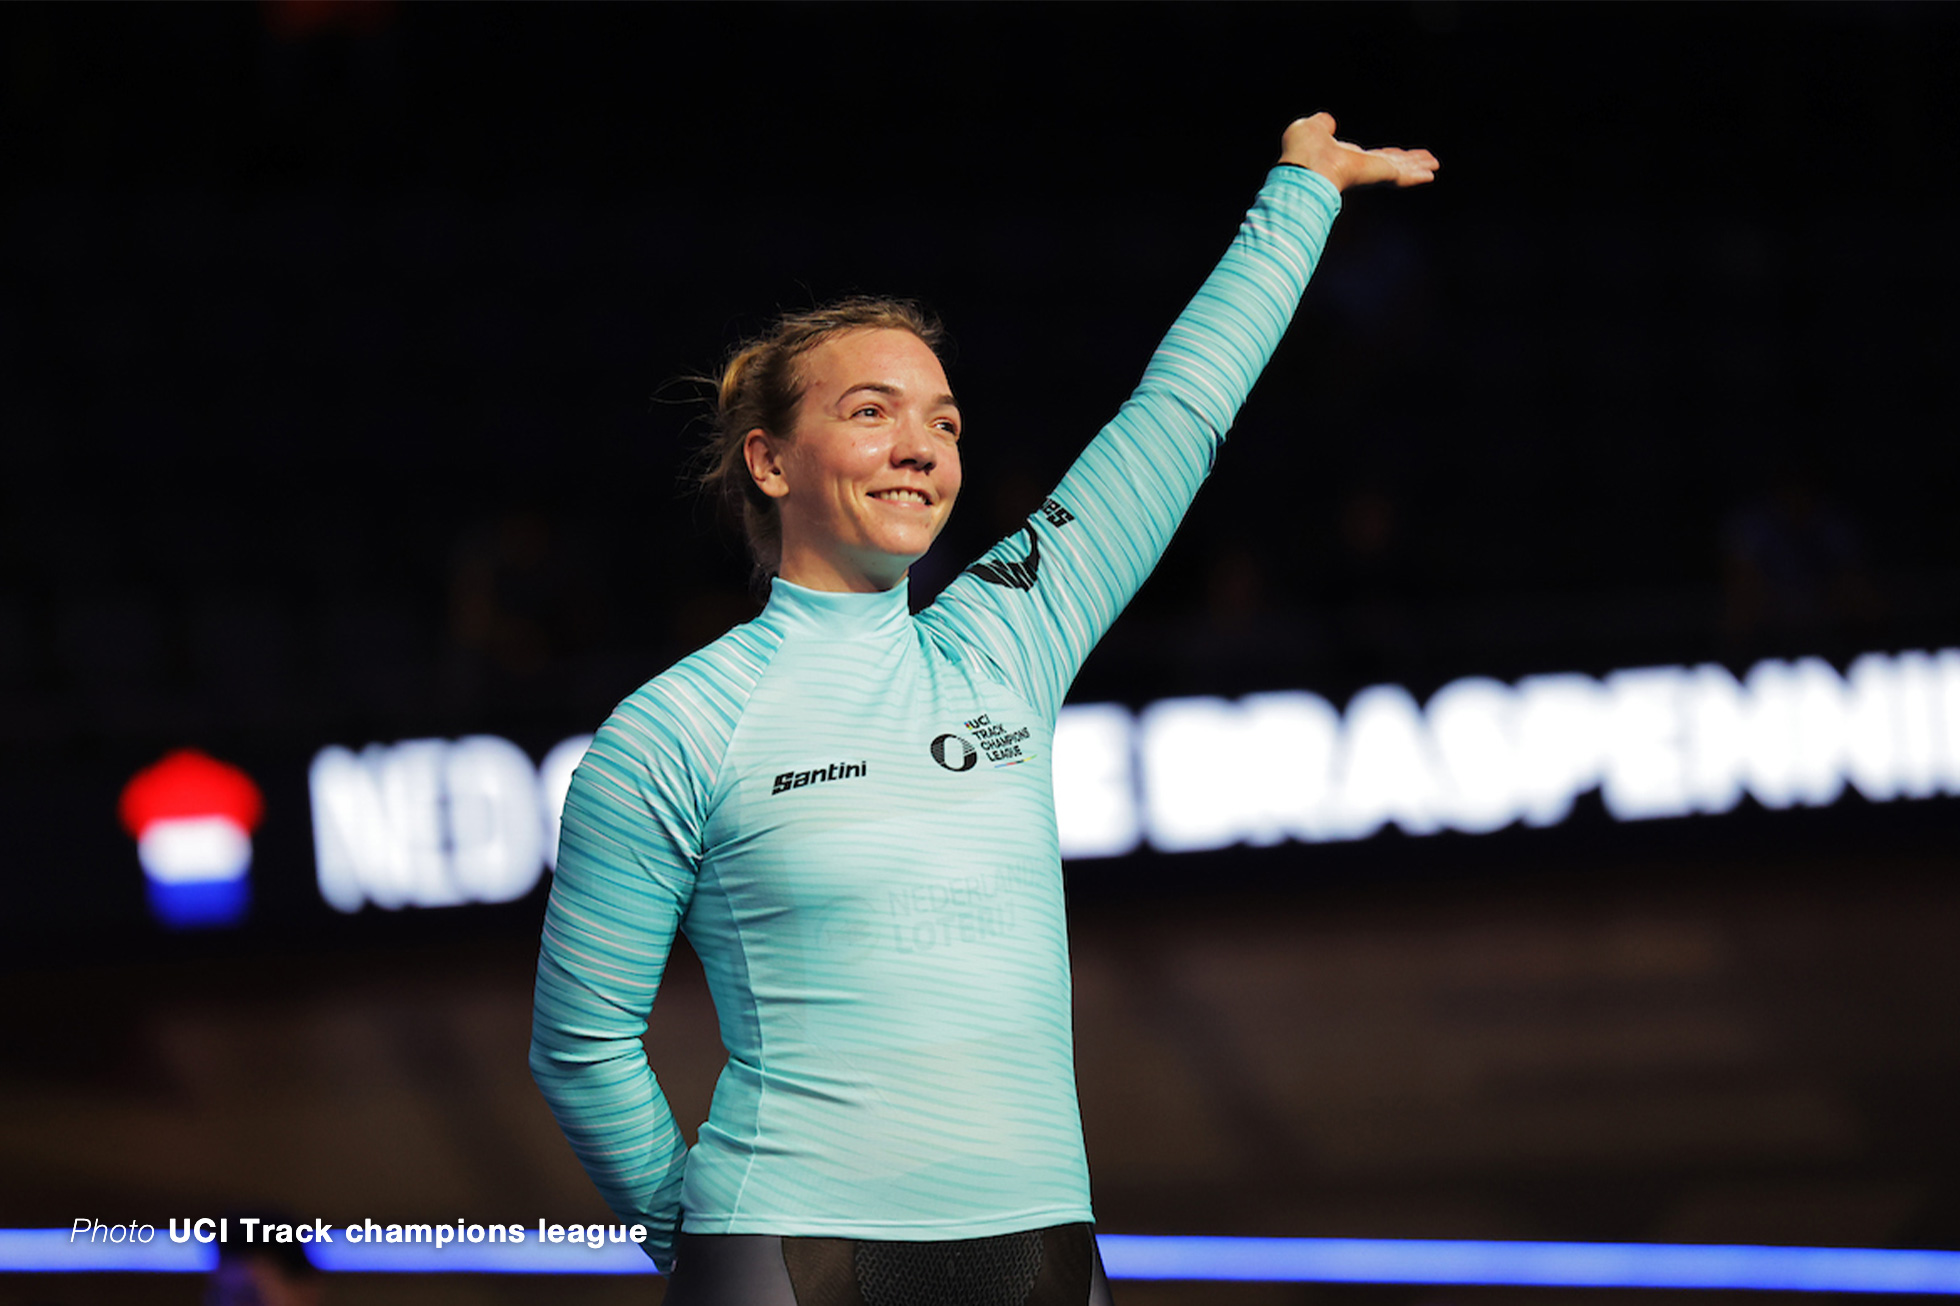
x,y
714,679
687,713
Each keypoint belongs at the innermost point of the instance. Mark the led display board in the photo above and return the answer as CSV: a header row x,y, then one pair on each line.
x,y
445,823
434,823
1190,774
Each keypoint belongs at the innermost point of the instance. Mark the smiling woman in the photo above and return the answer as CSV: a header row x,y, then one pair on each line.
x,y
864,479
850,810
802,370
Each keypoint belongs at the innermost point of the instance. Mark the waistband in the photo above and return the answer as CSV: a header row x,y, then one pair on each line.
x,y
1055,1266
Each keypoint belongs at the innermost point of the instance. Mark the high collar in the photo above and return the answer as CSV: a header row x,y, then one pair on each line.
x,y
836,613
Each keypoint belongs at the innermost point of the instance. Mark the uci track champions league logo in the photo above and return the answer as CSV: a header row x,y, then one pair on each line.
x,y
1000,744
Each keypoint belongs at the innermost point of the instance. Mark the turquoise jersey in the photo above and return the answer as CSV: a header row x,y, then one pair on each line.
x,y
850,812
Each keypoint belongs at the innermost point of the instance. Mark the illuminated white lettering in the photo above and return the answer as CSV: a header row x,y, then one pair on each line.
x,y
496,826
1789,726
1475,726
1287,747
1560,744
1095,787
1257,771
1644,762
429,823
1721,739
1915,717
1386,768
1948,749
1190,769
1818,721
1655,741
377,825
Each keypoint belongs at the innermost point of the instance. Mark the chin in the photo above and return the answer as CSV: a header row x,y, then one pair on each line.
x,y
909,547
899,561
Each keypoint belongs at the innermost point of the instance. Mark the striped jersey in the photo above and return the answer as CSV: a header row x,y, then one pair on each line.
x,y
849,810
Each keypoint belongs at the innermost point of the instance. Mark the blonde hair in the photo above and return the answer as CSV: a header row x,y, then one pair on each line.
x,y
761,385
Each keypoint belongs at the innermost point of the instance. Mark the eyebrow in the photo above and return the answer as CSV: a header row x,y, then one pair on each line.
x,y
880,387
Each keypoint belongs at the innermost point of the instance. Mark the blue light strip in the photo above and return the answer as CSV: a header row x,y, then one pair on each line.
x,y
57,1251
1130,1256
1532,1264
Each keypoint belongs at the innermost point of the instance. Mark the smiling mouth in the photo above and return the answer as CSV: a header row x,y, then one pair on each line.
x,y
913,498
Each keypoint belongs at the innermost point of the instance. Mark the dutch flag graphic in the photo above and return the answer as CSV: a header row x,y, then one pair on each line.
x,y
193,818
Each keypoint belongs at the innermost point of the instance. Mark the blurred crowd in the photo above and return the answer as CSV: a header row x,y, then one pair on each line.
x,y
335,408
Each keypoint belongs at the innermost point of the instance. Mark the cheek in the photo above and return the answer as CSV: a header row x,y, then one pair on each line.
x,y
834,465
860,459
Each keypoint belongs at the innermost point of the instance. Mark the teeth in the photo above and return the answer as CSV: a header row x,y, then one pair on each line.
x,y
910,496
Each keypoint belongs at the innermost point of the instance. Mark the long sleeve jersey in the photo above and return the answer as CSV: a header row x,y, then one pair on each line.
x,y
849,809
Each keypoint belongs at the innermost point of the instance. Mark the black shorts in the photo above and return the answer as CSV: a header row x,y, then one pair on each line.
x,y
1056,1266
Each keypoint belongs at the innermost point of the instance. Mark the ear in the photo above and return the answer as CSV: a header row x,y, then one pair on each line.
x,y
765,463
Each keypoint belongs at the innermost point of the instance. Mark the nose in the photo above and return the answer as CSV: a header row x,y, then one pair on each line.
x,y
914,447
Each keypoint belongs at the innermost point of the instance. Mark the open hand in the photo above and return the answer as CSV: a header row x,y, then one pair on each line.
x,y
1310,143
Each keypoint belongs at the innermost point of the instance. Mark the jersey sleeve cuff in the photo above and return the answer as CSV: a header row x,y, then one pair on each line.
x,y
1318,190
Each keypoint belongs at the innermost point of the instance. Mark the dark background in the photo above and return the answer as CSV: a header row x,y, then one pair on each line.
x,y
342,381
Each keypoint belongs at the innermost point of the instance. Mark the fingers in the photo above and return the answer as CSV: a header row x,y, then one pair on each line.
x,y
1417,158
1310,143
1421,158
1406,167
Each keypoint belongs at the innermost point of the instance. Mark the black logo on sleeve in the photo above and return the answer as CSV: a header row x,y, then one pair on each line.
x,y
954,753
1054,514
1011,574
835,771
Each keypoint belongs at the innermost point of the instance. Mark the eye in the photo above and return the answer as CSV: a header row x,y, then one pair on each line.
x,y
949,426
871,409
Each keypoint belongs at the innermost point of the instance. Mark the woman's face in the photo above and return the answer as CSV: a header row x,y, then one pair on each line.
x,y
871,471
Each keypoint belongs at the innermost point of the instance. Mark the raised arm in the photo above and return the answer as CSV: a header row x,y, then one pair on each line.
x,y
1038,602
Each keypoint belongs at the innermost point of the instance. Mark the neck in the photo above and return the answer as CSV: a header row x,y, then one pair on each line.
x,y
815,571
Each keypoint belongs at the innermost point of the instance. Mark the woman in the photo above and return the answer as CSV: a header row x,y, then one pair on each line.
x,y
850,811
